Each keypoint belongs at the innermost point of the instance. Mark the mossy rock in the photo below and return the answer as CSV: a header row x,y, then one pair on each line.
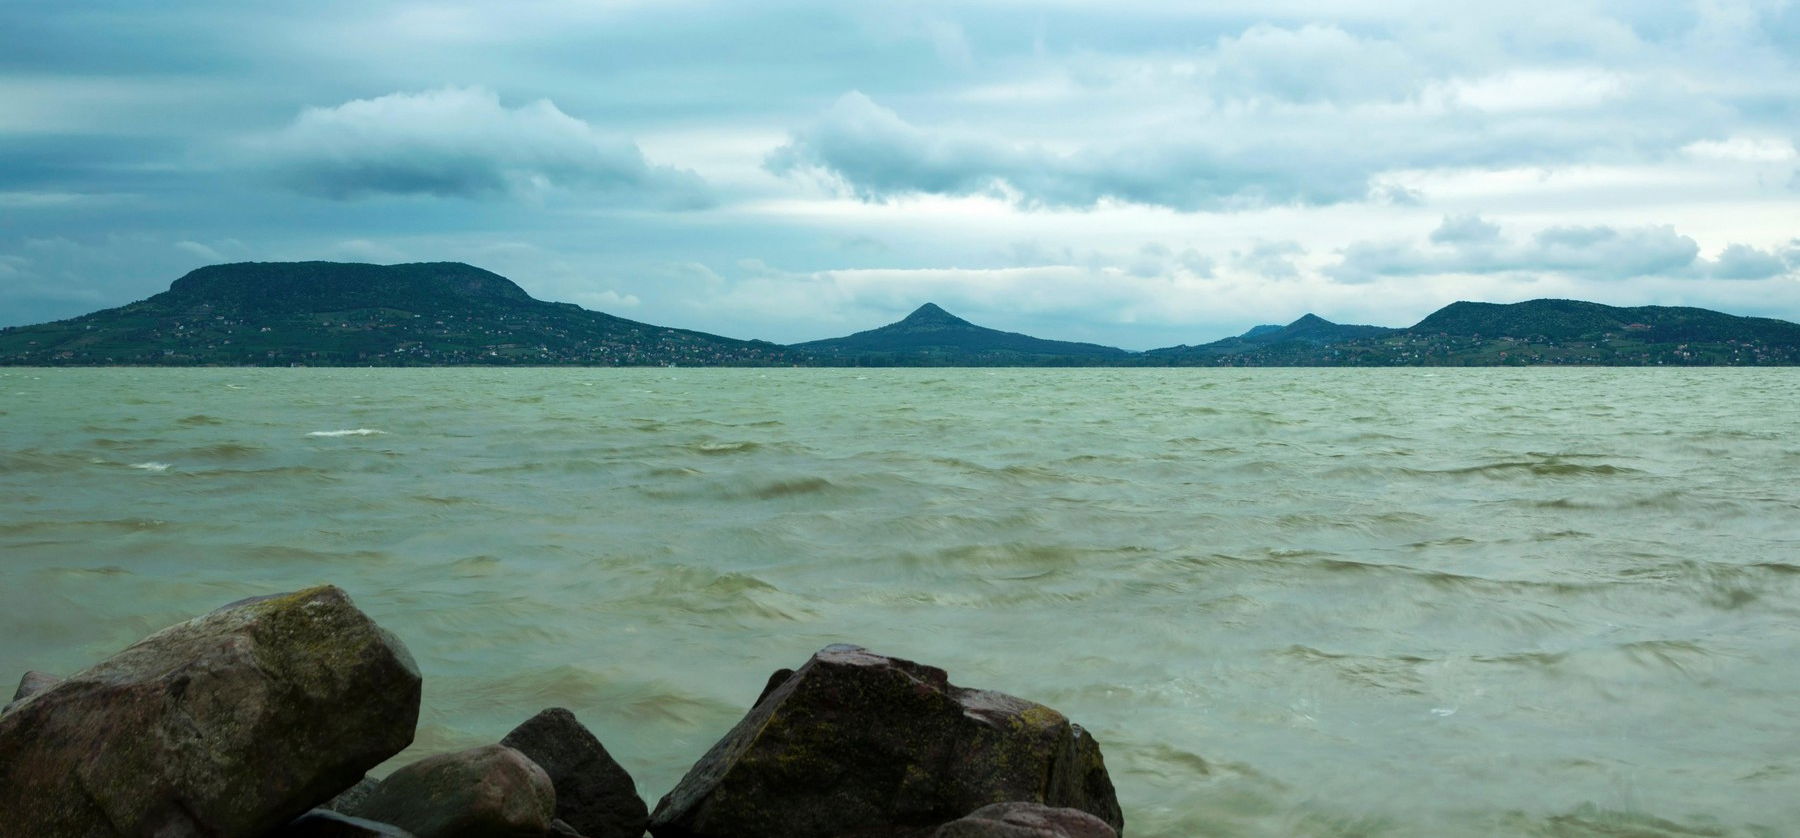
x,y
233,723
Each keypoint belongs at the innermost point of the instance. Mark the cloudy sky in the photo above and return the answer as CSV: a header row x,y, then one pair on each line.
x,y
1129,172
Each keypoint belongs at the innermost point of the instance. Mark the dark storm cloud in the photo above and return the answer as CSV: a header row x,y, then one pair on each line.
x,y
878,156
1471,245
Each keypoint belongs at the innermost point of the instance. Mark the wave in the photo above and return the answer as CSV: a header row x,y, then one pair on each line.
x,y
739,488
791,488
223,451
717,449
1534,468
348,432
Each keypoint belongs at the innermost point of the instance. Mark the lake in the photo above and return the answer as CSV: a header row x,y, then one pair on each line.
x,y
1324,602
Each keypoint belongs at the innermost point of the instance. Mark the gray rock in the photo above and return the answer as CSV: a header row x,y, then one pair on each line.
x,y
486,792
231,724
858,743
34,682
351,799
1026,820
594,795
324,823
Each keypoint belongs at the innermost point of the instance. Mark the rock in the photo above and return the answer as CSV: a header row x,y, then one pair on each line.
x,y
351,799
1026,820
594,795
231,724
34,682
324,823
563,829
858,743
779,677
482,792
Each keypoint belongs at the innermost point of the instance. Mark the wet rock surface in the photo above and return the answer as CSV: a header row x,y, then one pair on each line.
x,y
594,794
231,724
488,792
859,743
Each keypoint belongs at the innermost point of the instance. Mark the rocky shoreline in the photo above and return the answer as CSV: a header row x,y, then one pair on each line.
x,y
263,717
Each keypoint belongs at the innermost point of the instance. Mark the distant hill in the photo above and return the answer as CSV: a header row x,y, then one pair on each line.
x,y
1578,332
331,313
1270,345
1535,332
931,336
448,314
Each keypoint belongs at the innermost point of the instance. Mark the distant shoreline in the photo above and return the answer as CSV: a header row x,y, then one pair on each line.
x,y
448,314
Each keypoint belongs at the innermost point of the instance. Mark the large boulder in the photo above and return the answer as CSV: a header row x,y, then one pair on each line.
x,y
230,724
856,743
1026,820
593,793
488,792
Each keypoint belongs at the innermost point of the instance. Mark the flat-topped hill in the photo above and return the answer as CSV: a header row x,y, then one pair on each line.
x,y
333,313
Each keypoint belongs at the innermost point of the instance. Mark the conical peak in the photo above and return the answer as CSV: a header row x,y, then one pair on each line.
x,y
931,313
1310,319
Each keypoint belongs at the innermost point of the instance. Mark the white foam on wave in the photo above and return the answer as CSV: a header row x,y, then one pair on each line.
x,y
348,432
151,466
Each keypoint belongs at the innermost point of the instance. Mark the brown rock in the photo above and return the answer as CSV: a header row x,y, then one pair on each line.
x,y
858,743
488,792
231,724
1026,820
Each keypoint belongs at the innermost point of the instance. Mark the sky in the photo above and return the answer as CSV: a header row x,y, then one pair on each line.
x,y
1133,173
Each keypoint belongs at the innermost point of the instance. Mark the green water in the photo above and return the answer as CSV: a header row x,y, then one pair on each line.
x,y
1287,602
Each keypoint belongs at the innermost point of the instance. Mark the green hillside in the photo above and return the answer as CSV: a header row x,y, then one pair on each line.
x,y
931,336
338,314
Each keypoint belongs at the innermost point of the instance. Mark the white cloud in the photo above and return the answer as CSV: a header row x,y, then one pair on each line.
x,y
463,142
1743,149
607,300
1526,90
1311,62
201,250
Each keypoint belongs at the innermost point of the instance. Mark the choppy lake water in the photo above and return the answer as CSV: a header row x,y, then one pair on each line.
x,y
1287,602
